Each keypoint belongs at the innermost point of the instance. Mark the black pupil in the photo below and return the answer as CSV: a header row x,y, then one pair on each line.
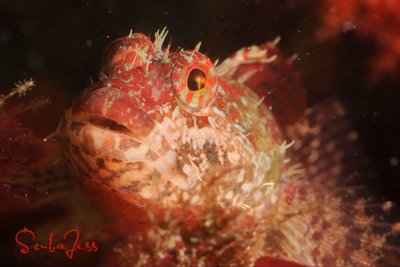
x,y
196,80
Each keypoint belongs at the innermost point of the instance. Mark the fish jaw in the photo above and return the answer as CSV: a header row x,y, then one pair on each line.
x,y
111,142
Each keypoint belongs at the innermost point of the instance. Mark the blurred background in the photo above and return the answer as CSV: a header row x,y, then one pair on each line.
x,y
344,49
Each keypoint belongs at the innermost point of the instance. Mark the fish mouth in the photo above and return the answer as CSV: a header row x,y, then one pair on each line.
x,y
106,136
109,140
105,124
108,124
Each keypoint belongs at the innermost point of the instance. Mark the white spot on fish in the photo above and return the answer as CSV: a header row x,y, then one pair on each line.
x,y
240,128
179,122
165,108
187,169
175,135
175,113
98,139
244,101
233,158
241,176
229,195
211,121
221,90
136,153
218,112
117,141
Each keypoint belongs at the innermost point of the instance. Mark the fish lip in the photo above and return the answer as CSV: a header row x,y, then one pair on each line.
x,y
84,130
103,123
108,124
93,111
161,164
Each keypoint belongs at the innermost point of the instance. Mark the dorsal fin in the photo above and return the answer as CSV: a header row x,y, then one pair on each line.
x,y
272,76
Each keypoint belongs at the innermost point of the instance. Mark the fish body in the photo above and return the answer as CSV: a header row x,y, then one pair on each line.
x,y
160,122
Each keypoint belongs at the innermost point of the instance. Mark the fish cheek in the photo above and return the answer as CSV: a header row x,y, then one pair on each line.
x,y
113,161
139,184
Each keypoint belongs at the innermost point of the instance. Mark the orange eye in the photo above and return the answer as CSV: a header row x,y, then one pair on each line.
x,y
194,80
197,80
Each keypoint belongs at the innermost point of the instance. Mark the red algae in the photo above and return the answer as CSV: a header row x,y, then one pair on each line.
x,y
20,148
371,20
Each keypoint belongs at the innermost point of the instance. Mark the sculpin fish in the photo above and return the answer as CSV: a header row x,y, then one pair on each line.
x,y
162,120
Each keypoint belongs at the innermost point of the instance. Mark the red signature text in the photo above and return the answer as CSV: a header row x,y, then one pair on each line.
x,y
70,243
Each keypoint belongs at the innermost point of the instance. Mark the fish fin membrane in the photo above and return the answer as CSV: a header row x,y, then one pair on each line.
x,y
330,217
328,147
272,76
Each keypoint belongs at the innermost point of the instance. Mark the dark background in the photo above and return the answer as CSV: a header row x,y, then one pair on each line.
x,y
59,44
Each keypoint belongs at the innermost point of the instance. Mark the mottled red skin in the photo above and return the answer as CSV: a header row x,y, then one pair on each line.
x,y
133,67
139,112
144,87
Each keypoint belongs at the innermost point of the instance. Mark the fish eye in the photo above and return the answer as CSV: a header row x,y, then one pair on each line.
x,y
194,81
